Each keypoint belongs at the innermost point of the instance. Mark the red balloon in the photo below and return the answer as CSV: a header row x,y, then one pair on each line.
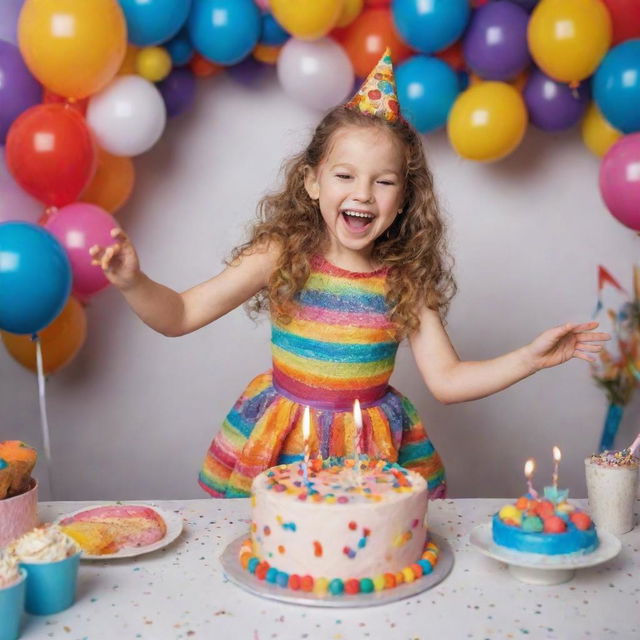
x,y
366,38
51,153
625,17
48,97
453,56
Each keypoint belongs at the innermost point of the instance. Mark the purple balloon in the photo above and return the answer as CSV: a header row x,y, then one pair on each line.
x,y
554,106
178,90
250,72
527,5
18,88
495,45
9,12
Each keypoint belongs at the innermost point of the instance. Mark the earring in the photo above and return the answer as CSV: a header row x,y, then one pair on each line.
x,y
399,212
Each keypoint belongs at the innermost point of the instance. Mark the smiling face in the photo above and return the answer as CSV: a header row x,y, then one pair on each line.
x,y
359,188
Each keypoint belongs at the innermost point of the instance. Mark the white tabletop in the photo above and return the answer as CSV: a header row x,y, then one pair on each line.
x,y
181,592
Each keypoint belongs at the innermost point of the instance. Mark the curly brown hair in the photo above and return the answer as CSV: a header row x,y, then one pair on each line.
x,y
414,247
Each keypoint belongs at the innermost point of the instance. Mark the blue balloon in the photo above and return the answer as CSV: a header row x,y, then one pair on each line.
x,y
151,22
180,49
430,26
427,88
35,277
224,31
616,86
273,34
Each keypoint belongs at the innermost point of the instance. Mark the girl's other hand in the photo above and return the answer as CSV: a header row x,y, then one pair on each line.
x,y
557,345
119,261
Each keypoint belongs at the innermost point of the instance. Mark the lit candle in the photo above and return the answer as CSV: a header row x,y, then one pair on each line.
x,y
529,468
557,456
306,432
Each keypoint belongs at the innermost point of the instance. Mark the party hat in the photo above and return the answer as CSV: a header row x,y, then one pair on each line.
x,y
377,95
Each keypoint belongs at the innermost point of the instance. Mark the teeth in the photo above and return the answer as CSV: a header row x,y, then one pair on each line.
x,y
358,214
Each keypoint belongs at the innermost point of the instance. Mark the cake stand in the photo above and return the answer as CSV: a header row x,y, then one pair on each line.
x,y
534,568
247,581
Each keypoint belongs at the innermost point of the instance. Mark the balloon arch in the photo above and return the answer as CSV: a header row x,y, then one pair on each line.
x,y
86,86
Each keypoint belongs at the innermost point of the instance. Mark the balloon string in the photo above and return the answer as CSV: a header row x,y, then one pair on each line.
x,y
46,440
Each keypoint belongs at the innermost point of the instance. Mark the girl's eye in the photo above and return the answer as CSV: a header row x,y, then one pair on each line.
x,y
386,182
343,176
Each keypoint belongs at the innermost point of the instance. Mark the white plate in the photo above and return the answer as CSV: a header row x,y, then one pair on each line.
x,y
172,520
241,577
535,568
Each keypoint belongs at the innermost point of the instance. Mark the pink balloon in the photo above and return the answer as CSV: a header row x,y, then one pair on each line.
x,y
620,180
78,227
263,4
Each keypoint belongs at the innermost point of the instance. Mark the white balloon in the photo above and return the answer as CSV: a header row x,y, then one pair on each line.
x,y
318,74
15,203
128,116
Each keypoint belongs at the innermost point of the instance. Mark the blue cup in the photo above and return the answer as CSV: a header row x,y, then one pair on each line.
x,y
51,586
11,606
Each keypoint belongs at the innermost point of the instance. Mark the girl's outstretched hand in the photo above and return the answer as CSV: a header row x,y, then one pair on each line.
x,y
119,261
557,345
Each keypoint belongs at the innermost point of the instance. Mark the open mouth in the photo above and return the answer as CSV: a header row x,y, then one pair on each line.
x,y
357,220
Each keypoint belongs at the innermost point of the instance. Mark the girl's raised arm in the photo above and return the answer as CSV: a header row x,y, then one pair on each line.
x,y
176,314
452,380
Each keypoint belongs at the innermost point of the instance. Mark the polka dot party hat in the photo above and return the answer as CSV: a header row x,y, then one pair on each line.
x,y
377,95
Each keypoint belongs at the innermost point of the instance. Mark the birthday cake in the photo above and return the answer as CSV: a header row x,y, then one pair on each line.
x,y
340,526
549,526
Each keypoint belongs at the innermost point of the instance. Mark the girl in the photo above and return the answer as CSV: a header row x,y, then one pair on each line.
x,y
350,258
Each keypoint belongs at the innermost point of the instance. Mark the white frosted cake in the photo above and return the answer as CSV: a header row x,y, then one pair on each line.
x,y
341,529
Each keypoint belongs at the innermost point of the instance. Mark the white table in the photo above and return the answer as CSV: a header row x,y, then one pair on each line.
x,y
181,592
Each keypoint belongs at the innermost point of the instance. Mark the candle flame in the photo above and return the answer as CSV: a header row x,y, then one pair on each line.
x,y
357,414
529,467
306,424
557,455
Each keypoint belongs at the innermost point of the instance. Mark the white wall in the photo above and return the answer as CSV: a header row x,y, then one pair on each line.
x,y
133,415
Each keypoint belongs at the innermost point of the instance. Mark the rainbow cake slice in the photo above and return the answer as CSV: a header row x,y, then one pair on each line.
x,y
108,529
550,526
348,528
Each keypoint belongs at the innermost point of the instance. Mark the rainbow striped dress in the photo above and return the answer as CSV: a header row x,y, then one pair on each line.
x,y
338,346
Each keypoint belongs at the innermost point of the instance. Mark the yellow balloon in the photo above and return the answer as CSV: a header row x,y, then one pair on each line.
x,y
153,63
350,11
307,19
487,121
74,48
569,38
597,133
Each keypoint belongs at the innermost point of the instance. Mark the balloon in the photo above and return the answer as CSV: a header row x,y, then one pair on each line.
x,y
427,88
153,63
202,67
350,11
180,49
568,38
51,154
317,74
9,12
224,31
272,34
527,5
366,38
263,4
430,26
178,91
307,19
616,86
625,19
112,184
15,202
266,54
128,65
35,277
73,48
151,22
487,121
249,72
18,88
597,133
48,97
128,117
553,106
453,56
495,44
620,180
60,341
78,227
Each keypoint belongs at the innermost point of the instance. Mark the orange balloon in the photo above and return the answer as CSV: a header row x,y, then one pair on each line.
x,y
61,340
128,66
366,38
203,67
73,48
48,97
112,184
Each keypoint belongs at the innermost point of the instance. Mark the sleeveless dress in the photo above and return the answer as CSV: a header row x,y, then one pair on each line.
x,y
338,346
